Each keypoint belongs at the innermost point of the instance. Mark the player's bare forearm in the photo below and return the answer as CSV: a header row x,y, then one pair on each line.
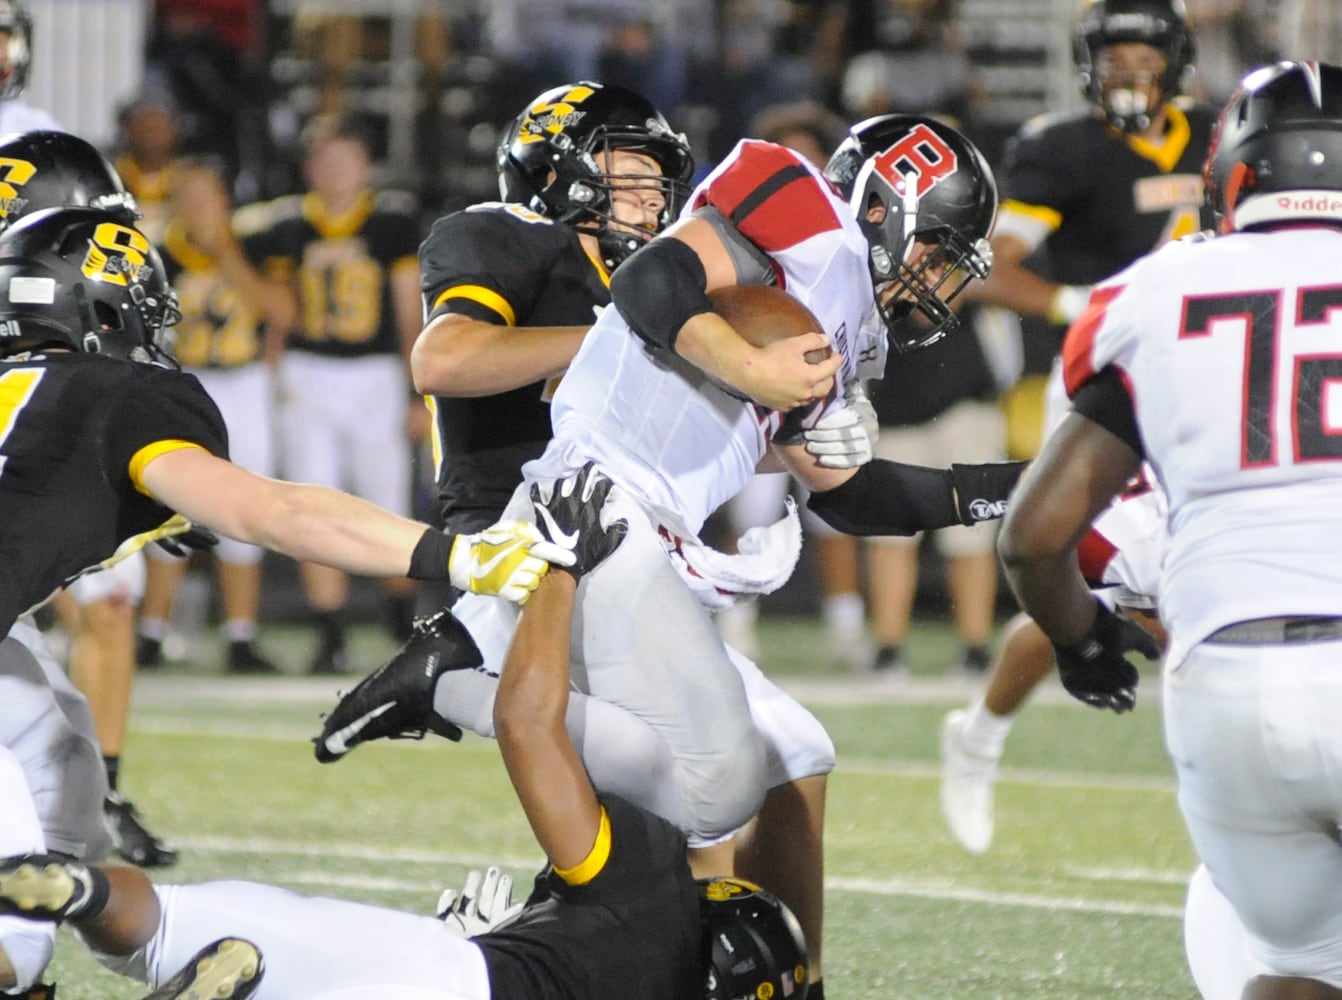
x,y
777,376
1082,467
307,522
546,771
458,356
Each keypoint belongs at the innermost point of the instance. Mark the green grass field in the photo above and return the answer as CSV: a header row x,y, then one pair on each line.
x,y
1079,897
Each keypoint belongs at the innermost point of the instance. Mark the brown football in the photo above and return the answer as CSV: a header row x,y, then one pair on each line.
x,y
762,315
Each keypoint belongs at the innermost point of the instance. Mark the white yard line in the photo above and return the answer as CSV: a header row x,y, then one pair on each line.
x,y
891,887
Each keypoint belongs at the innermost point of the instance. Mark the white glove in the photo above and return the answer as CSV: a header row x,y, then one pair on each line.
x,y
844,439
485,901
507,559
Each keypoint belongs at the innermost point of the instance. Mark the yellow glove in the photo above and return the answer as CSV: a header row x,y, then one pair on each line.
x,y
507,560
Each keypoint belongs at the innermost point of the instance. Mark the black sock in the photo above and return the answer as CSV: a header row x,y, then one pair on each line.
x,y
817,990
331,628
113,765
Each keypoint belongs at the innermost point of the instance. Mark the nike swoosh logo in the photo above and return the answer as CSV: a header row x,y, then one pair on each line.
x,y
485,568
337,744
567,539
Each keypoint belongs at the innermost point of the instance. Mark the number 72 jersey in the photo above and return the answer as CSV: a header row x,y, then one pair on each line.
x,y
1231,350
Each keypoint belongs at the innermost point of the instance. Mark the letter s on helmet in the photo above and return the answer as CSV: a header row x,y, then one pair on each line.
x,y
85,279
42,169
934,187
1276,155
755,947
548,159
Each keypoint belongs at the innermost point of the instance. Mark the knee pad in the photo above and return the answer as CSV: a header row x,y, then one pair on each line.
x,y
721,795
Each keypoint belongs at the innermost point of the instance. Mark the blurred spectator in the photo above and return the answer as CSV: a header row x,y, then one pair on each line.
x,y
148,155
912,61
635,56
937,405
226,305
209,54
15,60
344,386
1229,45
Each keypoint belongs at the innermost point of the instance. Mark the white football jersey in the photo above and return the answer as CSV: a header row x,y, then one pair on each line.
x,y
1122,551
16,116
661,428
1230,349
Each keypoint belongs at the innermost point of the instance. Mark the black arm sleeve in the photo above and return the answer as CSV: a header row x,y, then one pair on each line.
x,y
659,289
1105,400
891,498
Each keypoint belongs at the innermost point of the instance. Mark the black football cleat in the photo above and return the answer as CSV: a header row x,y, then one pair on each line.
x,y
395,702
44,887
228,969
132,838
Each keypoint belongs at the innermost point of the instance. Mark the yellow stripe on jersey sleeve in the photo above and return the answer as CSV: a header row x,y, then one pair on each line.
x,y
486,297
150,452
596,859
1050,217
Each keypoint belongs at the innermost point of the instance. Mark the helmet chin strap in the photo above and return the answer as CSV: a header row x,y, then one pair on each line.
x,y
92,343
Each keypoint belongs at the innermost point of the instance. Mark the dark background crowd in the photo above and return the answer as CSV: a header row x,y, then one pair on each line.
x,y
438,80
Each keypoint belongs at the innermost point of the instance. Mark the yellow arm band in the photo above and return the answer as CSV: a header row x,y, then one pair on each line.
x,y
596,859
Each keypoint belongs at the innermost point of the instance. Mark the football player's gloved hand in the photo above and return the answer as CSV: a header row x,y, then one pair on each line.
x,y
484,902
194,538
507,559
1095,669
844,439
568,513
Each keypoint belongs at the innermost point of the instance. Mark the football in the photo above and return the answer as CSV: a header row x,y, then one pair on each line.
x,y
762,315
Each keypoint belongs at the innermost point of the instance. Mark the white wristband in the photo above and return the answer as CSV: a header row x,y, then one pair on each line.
x,y
1069,302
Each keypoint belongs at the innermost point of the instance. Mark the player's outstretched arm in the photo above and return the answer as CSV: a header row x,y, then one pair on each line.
x,y
551,782
892,498
317,524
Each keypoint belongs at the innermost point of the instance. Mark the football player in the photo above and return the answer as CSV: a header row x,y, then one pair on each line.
x,y
350,252
226,308
616,912
1211,359
49,169
16,56
680,445
1086,194
106,447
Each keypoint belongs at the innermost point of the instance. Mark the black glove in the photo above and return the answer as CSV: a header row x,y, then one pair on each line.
x,y
570,517
194,539
1095,670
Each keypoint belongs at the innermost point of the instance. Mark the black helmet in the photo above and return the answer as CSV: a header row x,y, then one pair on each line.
x,y
14,20
43,169
548,158
1162,24
1277,146
935,186
85,279
755,945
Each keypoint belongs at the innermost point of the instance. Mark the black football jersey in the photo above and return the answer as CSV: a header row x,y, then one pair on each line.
x,y
1111,198
217,329
633,930
342,264
73,429
500,264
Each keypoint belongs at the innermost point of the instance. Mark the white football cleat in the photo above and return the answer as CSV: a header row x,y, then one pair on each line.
x,y
967,781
